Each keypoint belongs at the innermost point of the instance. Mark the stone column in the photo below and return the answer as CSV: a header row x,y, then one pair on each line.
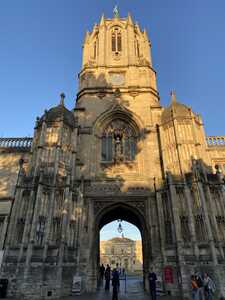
x,y
183,285
207,221
213,217
191,220
51,204
161,221
3,232
159,205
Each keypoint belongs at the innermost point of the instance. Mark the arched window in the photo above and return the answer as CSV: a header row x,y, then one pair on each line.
x,y
116,40
118,142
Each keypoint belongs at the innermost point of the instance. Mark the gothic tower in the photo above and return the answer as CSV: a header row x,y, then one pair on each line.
x,y
117,155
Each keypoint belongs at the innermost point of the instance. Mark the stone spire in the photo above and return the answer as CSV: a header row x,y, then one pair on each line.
x,y
129,19
173,97
102,21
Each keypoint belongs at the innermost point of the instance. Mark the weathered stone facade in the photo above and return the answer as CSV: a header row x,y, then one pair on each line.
x,y
118,155
122,252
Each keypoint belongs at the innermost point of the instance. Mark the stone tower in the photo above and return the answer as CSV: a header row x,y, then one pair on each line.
x,y
117,155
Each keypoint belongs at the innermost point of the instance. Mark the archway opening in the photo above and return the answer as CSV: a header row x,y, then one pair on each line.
x,y
132,219
121,248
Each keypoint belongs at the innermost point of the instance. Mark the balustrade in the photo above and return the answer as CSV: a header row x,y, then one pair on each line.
x,y
16,143
215,140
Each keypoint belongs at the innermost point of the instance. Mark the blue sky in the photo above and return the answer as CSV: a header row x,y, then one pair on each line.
x,y
41,48
129,231
40,54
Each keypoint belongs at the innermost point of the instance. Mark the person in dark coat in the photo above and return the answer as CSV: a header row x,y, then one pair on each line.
x,y
152,278
102,272
107,278
115,284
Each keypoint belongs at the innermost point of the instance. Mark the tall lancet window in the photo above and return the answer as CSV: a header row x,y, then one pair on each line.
x,y
116,40
119,142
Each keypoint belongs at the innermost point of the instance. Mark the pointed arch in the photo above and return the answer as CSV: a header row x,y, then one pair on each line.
x,y
119,135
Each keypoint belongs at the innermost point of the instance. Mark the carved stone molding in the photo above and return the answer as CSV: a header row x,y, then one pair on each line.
x,y
135,205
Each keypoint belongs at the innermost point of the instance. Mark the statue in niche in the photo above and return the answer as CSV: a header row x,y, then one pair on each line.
x,y
118,142
118,137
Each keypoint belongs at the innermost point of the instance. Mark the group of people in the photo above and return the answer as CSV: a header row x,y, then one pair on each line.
x,y
107,274
203,287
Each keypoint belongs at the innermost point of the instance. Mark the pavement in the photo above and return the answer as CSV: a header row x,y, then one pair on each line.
x,y
133,290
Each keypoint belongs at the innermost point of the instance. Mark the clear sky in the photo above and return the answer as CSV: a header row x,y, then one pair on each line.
x,y
41,48
111,230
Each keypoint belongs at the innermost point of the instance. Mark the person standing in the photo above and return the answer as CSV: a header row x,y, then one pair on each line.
x,y
194,288
102,272
152,278
209,286
115,284
200,292
107,277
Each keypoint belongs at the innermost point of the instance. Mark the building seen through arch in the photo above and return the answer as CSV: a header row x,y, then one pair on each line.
x,y
118,251
119,154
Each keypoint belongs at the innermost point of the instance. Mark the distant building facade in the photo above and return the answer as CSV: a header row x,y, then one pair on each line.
x,y
124,252
119,154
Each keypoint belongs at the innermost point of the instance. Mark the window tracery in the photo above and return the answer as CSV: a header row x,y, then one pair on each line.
x,y
116,40
40,229
118,142
201,232
185,230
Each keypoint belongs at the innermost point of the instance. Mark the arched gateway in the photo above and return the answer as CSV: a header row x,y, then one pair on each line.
x,y
127,212
118,154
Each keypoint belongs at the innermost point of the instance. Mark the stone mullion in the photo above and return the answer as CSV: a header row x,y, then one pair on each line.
x,y
31,239
192,220
207,221
177,227
68,214
76,229
26,229
79,224
51,205
3,231
49,223
218,270
13,219
69,230
161,220
36,209
214,222
221,196
62,247
33,196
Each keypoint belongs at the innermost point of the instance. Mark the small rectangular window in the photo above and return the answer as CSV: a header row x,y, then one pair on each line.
x,y
119,43
113,42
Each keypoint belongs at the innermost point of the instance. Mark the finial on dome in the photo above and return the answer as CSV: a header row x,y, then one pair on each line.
x,y
62,95
173,97
116,12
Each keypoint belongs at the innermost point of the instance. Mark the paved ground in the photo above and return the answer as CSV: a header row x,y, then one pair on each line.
x,y
132,291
